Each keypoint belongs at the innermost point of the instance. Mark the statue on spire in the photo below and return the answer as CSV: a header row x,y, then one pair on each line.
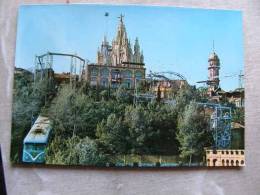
x,y
121,18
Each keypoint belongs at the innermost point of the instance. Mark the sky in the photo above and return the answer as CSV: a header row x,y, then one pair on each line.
x,y
172,39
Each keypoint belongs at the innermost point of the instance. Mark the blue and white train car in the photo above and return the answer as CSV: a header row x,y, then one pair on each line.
x,y
35,142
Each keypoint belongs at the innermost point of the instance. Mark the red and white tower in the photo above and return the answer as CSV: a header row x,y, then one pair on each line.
x,y
213,73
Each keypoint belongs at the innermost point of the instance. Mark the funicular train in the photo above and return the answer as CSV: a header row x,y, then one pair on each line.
x,y
35,142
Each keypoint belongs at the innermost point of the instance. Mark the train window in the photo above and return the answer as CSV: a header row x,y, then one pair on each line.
x,y
28,146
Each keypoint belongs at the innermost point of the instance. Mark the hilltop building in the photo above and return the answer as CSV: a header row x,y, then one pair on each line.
x,y
213,74
117,63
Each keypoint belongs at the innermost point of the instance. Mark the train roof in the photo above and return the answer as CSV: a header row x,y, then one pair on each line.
x,y
39,132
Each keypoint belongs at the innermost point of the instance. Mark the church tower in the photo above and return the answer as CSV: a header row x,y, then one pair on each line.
x,y
104,53
213,72
120,52
121,48
118,63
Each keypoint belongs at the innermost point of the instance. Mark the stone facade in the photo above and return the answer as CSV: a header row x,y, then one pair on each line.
x,y
117,63
221,158
113,76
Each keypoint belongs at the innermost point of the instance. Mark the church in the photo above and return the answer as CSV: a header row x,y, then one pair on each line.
x,y
117,63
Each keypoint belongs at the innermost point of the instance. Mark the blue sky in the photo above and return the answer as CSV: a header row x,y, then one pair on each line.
x,y
172,39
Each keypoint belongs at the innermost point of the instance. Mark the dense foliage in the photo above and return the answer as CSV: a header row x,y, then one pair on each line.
x,y
193,133
91,126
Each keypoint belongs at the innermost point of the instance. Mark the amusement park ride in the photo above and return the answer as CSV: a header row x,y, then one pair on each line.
x,y
165,80
44,64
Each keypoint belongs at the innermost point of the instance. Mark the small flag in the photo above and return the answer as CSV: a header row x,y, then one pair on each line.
x,y
106,14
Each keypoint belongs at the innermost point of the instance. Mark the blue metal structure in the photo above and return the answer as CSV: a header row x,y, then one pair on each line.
x,y
220,124
35,142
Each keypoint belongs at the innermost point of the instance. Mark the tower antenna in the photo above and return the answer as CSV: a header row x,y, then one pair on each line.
x,y
213,46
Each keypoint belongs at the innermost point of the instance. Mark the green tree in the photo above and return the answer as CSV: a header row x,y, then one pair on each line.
x,y
184,96
114,135
123,95
140,128
75,151
193,133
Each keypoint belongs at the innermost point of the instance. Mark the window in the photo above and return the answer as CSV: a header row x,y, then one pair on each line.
x,y
227,152
214,162
138,75
227,162
94,71
127,74
127,83
104,72
115,74
104,82
237,163
242,162
242,152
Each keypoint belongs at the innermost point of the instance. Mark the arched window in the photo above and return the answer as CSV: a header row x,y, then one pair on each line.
x,y
242,162
94,71
227,162
223,162
138,75
115,74
127,74
227,152
232,163
104,72
214,162
237,163
242,152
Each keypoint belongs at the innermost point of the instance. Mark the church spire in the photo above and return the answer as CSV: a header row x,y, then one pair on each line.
x,y
121,31
137,54
121,49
